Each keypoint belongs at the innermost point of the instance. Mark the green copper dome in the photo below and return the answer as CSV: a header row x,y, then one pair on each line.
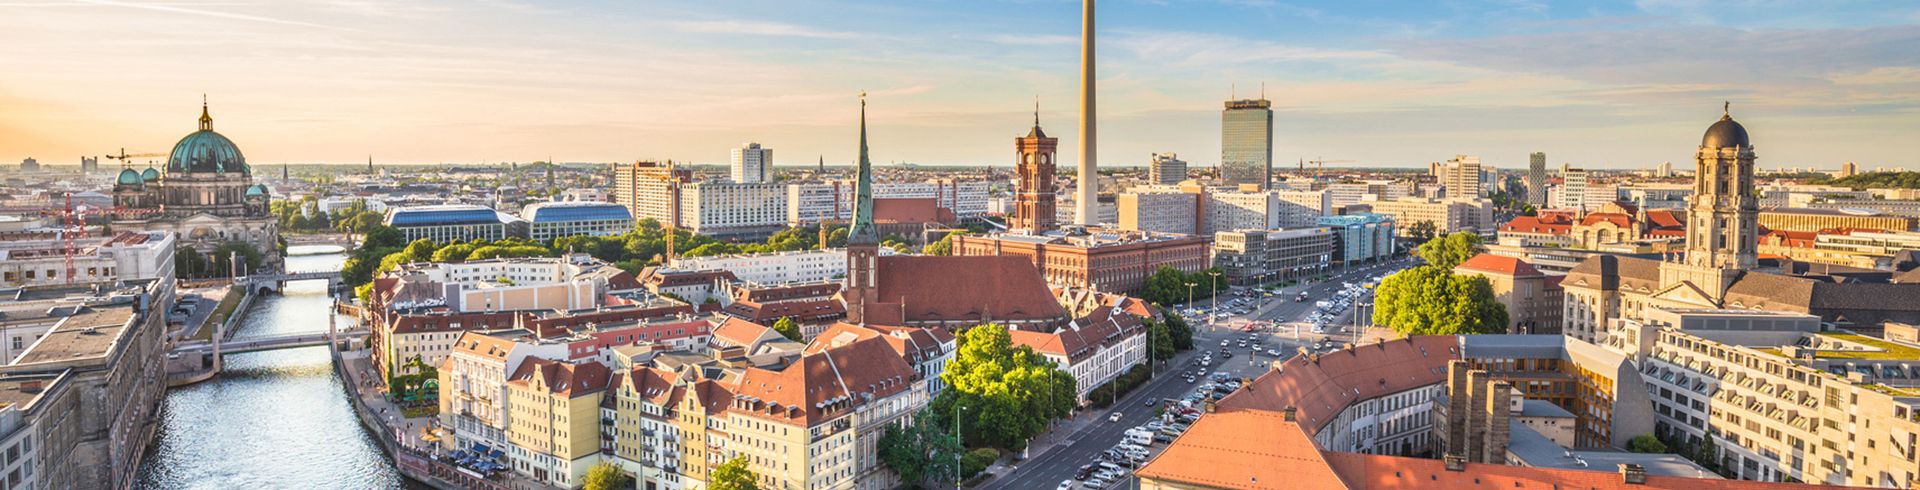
x,y
257,190
150,175
130,177
206,151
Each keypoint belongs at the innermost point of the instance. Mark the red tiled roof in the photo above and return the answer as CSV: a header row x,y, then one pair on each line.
x,y
1321,386
1620,220
1533,224
914,344
742,333
969,288
806,310
1376,472
568,380
824,385
1666,218
1499,264
1244,450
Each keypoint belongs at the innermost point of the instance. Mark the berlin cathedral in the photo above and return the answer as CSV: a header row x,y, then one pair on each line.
x,y
205,196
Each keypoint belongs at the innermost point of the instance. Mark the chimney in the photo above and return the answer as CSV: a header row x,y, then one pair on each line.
x,y
1290,413
1633,474
1456,462
1211,406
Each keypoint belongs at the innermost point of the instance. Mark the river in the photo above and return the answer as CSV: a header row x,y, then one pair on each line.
x,y
274,419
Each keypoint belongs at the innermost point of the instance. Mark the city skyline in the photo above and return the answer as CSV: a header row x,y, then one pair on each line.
x,y
1603,86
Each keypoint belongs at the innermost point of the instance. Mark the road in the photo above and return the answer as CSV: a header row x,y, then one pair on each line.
x,y
1085,442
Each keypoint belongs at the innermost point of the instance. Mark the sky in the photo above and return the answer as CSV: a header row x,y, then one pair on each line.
x,y
1600,84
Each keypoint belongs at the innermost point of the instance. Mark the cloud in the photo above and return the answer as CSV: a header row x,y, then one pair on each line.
x,y
760,28
175,9
1683,54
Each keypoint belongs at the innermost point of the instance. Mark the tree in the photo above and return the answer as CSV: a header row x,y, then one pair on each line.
x,y
187,262
1421,231
1177,329
1166,286
787,328
605,476
919,451
222,264
1161,339
1646,443
732,475
1004,395
1429,300
942,247
1450,251
976,461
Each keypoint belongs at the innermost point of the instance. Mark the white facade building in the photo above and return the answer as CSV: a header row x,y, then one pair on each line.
x,y
769,269
810,203
125,256
725,208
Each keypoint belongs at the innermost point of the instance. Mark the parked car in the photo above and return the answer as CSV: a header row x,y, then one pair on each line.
x,y
1064,485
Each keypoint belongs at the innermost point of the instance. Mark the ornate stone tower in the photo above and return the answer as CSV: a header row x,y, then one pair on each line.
x,y
863,242
1033,201
1723,214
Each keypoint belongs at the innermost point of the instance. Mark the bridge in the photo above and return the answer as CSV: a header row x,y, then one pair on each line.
x,y
274,282
277,342
342,240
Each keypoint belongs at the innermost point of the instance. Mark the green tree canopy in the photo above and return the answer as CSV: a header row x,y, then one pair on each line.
x,y
605,476
1429,300
920,451
1003,395
1168,286
732,475
787,328
1421,231
1161,339
1451,250
1177,329
942,247
1646,443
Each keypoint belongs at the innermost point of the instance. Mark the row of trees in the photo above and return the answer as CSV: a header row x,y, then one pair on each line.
x,y
1432,300
305,215
188,263
1168,285
1874,180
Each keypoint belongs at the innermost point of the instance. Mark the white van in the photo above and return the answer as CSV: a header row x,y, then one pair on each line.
x,y
1139,437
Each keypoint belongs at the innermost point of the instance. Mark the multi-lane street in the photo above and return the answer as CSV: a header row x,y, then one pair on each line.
x,y
1080,443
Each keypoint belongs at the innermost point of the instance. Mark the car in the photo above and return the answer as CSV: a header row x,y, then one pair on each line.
x,y
1226,355
1084,472
1224,342
1148,403
1115,417
1065,485
1273,352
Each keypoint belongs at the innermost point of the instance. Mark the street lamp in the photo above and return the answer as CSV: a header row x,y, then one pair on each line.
x,y
1213,288
957,408
1190,286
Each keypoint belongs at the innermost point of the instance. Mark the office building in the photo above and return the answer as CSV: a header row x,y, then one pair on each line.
x,y
1166,169
41,259
1362,238
726,209
1256,257
751,164
81,381
1033,199
1813,220
1537,179
454,222
1246,143
1462,177
549,220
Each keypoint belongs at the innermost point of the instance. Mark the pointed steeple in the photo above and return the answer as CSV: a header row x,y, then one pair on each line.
x,y
862,231
1036,132
206,120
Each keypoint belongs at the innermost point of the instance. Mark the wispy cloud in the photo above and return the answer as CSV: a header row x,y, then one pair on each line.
x,y
760,28
176,9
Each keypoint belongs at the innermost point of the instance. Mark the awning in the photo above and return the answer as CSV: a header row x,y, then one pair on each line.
x,y
497,454
479,448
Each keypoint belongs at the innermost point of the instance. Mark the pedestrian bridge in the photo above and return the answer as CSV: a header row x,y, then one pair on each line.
x,y
274,282
257,344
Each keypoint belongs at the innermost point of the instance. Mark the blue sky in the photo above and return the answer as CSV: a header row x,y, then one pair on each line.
x,y
1600,84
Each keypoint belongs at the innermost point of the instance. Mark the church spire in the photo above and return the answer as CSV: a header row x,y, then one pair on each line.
x,y
862,231
206,120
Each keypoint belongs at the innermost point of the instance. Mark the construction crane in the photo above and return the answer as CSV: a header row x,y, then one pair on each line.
x,y
74,222
123,156
1320,165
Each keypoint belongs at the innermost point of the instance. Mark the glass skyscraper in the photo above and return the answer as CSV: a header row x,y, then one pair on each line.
x,y
1246,143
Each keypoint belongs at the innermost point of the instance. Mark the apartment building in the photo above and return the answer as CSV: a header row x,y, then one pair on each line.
x,y
554,419
1095,349
1462,177
1370,399
1159,212
572,282
1447,215
729,209
1166,169
1532,298
650,190
776,268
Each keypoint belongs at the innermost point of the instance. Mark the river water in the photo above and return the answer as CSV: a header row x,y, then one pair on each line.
x,y
274,419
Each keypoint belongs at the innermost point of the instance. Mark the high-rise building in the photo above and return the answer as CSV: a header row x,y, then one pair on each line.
x,y
1246,142
92,164
1166,169
648,190
1664,170
1462,176
1848,170
1033,207
1573,184
752,164
1537,179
